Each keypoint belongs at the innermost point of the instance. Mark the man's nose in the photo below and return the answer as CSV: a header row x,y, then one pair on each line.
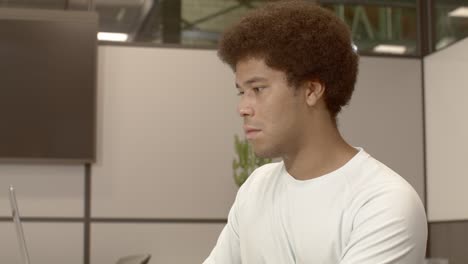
x,y
245,108
245,112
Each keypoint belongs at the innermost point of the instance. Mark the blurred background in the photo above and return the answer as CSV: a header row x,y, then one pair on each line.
x,y
162,179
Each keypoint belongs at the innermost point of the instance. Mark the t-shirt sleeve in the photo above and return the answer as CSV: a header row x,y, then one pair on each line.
x,y
390,227
227,248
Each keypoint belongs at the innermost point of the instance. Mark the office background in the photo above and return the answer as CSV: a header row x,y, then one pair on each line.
x,y
166,121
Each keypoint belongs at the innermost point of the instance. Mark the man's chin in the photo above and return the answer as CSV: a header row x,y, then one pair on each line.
x,y
263,153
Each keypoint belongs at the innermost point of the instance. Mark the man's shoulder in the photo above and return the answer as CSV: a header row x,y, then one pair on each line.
x,y
372,173
377,183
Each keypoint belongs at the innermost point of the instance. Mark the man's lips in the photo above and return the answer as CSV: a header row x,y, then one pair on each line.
x,y
251,132
248,129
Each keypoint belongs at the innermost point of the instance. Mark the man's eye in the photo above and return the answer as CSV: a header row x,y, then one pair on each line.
x,y
240,93
258,89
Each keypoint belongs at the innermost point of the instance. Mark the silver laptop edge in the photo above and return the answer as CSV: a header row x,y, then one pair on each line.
x,y
19,227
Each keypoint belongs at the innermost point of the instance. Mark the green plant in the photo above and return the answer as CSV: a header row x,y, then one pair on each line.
x,y
246,161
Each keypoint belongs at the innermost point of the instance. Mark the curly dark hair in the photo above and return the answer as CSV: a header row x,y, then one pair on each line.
x,y
303,40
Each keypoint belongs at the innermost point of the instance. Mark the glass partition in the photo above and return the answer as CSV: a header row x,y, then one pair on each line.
x,y
203,21
378,26
450,22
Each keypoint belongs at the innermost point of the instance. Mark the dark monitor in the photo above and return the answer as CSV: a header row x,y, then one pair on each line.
x,y
48,85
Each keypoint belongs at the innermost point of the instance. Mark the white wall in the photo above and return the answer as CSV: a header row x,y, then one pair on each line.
x,y
43,190
47,243
166,125
385,115
446,99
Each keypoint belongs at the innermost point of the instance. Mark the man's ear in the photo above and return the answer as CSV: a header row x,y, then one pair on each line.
x,y
314,90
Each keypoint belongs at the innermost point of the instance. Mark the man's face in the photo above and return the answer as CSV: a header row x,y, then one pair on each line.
x,y
272,110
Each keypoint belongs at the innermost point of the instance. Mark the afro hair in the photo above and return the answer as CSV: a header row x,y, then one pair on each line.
x,y
301,39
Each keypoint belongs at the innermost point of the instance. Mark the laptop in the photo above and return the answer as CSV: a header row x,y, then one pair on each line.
x,y
19,227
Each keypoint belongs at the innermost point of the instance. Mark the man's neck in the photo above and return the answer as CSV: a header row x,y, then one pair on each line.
x,y
318,155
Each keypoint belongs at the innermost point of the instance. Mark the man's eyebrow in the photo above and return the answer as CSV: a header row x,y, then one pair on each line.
x,y
252,80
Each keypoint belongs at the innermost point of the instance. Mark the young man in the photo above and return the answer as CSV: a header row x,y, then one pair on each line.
x,y
326,202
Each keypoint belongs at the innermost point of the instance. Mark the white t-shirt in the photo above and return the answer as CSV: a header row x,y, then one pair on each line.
x,y
361,213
